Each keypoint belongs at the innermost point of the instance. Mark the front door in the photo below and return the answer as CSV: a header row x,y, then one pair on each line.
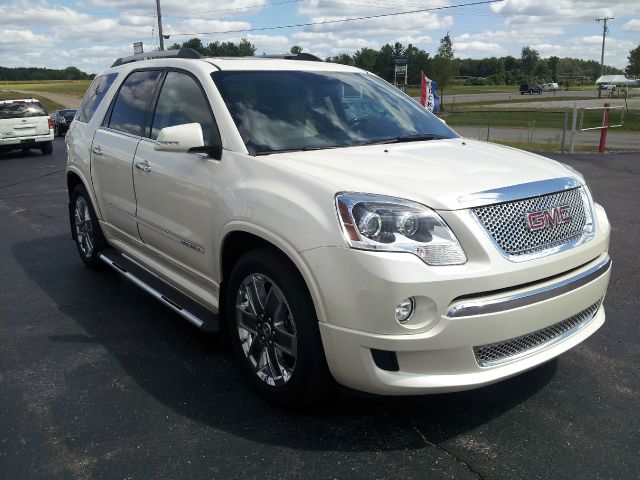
x,y
174,190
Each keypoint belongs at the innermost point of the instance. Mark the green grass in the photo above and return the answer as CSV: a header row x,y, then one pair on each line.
x,y
552,147
49,105
538,119
74,88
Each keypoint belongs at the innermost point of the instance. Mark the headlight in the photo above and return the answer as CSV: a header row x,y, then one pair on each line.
x,y
376,222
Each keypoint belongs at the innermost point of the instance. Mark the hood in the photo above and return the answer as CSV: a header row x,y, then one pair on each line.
x,y
435,173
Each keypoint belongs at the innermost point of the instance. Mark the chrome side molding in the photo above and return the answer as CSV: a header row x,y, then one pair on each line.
x,y
472,307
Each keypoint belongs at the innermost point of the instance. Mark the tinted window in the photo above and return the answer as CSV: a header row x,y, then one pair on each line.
x,y
21,109
130,106
96,92
182,101
292,110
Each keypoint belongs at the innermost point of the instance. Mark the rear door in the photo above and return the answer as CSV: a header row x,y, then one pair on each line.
x,y
113,149
174,190
23,118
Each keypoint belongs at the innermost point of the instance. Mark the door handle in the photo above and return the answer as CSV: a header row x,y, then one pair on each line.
x,y
143,165
97,150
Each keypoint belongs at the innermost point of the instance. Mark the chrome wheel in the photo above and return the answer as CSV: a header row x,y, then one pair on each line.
x,y
267,329
83,226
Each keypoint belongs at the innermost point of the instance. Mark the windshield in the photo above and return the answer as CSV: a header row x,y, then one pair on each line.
x,y
292,110
21,109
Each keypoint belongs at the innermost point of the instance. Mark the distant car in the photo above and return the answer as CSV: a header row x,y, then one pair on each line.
x,y
550,87
61,121
530,88
25,124
608,86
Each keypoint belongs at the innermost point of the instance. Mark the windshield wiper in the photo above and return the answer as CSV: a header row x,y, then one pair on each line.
x,y
409,138
288,150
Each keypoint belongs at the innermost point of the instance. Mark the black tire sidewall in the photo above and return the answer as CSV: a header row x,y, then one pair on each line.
x,y
311,379
99,242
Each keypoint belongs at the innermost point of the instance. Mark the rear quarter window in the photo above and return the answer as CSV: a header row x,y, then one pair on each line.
x,y
92,99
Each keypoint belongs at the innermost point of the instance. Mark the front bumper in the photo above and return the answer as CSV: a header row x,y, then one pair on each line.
x,y
487,301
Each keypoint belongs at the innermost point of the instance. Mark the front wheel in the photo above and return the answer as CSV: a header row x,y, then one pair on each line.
x,y
274,330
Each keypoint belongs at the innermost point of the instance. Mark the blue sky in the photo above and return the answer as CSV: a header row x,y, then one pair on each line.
x,y
90,34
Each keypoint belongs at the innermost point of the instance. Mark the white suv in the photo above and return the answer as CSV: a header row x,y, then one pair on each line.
x,y
334,226
25,124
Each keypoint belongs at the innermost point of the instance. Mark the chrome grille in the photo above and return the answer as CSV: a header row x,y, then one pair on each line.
x,y
507,223
496,353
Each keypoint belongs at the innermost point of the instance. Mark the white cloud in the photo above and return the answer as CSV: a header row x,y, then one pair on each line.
x,y
632,25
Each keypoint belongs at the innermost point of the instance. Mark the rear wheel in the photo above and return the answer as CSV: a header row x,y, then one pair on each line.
x,y
274,330
47,148
85,228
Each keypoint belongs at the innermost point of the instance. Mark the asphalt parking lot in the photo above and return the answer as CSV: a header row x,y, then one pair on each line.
x,y
98,380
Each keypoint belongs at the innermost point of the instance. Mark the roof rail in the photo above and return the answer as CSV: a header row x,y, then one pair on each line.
x,y
181,53
294,56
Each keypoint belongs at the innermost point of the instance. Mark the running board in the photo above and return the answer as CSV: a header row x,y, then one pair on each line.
x,y
177,301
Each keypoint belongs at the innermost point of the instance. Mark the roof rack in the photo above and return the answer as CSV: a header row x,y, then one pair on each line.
x,y
294,56
181,53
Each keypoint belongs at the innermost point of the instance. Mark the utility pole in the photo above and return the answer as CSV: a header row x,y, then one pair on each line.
x,y
605,30
160,26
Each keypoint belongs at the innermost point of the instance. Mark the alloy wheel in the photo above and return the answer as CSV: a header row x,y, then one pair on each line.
x,y
83,226
267,329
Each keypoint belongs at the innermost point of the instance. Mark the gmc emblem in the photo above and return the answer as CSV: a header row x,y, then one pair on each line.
x,y
548,218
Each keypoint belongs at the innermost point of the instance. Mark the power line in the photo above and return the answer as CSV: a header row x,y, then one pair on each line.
x,y
326,22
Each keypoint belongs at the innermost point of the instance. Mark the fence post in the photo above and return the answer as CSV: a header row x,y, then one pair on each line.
x,y
564,128
488,126
573,127
605,127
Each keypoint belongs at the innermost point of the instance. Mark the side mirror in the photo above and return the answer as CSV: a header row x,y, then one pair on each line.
x,y
180,138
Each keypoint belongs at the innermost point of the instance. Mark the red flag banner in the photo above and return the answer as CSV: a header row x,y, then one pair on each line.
x,y
423,90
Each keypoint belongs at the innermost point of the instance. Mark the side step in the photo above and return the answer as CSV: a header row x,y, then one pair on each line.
x,y
177,301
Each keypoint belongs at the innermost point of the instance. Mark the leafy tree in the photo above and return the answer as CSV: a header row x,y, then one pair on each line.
x,y
296,49
243,48
444,64
343,58
384,65
633,69
529,59
365,58
553,67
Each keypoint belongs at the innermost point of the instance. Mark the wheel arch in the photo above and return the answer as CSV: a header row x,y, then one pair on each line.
x,y
75,178
240,237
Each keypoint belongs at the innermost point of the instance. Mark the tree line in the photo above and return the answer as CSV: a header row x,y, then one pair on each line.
x,y
37,74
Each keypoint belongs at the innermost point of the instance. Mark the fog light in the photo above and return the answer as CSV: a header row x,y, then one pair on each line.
x,y
405,309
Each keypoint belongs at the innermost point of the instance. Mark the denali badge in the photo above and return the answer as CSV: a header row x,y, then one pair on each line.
x,y
547,218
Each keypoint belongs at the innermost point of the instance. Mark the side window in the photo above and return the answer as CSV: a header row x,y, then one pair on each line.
x,y
130,106
183,101
94,95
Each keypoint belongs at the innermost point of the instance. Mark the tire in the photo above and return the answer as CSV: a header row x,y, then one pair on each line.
x,y
85,229
55,132
274,330
47,148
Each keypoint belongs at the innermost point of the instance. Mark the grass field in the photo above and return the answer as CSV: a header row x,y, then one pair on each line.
x,y
536,119
50,105
74,88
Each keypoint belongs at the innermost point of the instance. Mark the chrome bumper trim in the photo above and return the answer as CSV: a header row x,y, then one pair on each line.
x,y
522,299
